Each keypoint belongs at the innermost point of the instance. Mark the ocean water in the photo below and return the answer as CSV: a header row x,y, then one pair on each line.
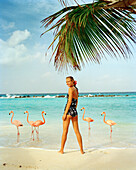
x,y
119,107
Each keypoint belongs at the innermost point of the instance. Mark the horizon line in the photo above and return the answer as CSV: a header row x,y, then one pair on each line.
x,y
66,92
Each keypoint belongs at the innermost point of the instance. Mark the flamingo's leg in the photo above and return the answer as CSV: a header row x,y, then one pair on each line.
x,y
37,131
18,134
111,133
18,138
89,133
18,131
89,125
32,134
111,128
111,137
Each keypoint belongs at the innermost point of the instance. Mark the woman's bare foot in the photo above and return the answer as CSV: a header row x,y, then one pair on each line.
x,y
82,152
61,152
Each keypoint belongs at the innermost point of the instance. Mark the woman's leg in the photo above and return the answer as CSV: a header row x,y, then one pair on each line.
x,y
78,135
65,132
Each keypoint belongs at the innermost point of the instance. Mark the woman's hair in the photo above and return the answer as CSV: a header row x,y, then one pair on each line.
x,y
70,78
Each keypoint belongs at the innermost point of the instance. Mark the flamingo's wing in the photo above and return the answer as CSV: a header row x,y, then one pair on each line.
x,y
17,123
31,123
89,119
110,122
37,123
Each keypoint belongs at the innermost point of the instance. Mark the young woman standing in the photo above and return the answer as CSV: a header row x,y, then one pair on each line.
x,y
70,113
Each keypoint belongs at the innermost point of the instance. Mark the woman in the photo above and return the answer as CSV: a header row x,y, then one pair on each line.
x,y
70,113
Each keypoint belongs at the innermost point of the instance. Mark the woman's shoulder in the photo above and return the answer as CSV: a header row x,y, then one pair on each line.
x,y
71,89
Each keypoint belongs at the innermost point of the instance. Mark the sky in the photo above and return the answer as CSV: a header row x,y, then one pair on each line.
x,y
24,68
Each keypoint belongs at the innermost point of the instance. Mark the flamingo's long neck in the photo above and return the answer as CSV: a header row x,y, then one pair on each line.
x,y
83,115
12,117
104,118
27,117
43,118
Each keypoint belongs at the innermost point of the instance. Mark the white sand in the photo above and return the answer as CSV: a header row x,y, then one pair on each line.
x,y
110,159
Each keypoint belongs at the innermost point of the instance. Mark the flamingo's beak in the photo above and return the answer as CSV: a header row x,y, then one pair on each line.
x,y
81,109
9,113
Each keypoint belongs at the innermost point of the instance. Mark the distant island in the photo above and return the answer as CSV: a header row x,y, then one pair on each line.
x,y
64,96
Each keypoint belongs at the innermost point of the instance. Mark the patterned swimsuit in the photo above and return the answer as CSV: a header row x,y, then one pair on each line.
x,y
72,110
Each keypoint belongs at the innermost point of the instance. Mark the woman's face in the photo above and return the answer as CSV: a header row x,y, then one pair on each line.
x,y
69,82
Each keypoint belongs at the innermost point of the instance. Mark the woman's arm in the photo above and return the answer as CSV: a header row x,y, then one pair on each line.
x,y
70,92
77,99
76,102
69,100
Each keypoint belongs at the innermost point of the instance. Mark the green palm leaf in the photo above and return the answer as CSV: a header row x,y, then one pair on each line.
x,y
88,33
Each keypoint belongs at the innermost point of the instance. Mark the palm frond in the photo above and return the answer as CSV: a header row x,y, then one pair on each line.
x,y
87,32
129,5
66,2
117,3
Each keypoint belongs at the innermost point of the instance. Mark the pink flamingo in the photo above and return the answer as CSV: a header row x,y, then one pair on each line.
x,y
17,123
31,124
38,123
108,122
87,119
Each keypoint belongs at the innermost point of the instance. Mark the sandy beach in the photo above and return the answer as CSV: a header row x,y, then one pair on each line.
x,y
95,159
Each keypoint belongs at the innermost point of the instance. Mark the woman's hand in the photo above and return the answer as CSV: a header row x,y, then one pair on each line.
x,y
64,117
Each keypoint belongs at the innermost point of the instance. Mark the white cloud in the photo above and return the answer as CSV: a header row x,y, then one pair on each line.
x,y
7,26
17,37
14,51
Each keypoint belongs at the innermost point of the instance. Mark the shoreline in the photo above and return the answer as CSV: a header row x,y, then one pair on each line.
x,y
62,96
95,159
67,149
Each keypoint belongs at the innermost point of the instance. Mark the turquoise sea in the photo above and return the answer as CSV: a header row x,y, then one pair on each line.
x,y
119,107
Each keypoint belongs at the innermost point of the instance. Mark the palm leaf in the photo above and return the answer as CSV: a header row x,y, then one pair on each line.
x,y
88,33
65,2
